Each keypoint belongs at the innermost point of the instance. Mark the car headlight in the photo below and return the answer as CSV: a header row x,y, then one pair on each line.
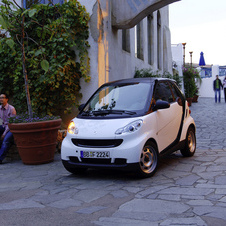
x,y
130,128
72,128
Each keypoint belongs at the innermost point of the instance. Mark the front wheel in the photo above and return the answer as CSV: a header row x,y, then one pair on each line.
x,y
148,160
190,143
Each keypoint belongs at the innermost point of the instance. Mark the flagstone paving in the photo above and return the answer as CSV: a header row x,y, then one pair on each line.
x,y
184,191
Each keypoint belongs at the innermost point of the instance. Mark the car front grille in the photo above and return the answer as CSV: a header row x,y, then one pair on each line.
x,y
91,143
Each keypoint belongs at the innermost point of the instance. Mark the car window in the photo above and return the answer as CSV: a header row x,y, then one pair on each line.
x,y
163,92
176,92
131,97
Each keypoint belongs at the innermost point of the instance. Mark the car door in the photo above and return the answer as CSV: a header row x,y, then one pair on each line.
x,y
168,120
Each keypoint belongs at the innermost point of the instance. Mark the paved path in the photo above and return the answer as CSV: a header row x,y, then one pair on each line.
x,y
184,191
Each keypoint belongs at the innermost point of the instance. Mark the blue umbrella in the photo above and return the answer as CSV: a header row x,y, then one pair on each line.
x,y
201,60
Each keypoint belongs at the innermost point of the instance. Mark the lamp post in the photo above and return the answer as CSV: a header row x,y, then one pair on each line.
x,y
184,44
191,57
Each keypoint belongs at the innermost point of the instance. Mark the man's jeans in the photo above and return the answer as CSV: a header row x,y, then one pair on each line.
x,y
7,141
219,95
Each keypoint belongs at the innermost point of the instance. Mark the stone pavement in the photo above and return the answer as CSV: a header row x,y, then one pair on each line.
x,y
184,191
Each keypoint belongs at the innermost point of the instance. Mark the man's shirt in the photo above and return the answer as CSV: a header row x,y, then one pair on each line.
x,y
217,84
5,113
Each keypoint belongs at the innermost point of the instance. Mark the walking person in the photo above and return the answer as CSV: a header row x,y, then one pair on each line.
x,y
6,111
217,85
224,85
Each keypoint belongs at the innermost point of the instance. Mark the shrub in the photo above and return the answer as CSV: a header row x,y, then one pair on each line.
x,y
144,73
189,75
56,50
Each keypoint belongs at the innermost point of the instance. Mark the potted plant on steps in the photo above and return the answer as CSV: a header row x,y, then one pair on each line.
x,y
43,55
189,76
196,96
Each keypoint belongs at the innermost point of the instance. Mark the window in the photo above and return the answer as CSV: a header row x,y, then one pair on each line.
x,y
28,3
163,92
130,97
176,93
159,39
150,28
139,41
126,40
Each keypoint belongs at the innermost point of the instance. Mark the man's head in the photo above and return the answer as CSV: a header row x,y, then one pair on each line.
x,y
217,76
4,99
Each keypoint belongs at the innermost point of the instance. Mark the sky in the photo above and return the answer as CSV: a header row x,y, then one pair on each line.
x,y
201,24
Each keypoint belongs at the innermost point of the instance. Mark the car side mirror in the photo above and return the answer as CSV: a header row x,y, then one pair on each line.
x,y
161,104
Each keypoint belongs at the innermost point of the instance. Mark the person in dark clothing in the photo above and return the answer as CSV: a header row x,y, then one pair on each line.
x,y
217,85
6,137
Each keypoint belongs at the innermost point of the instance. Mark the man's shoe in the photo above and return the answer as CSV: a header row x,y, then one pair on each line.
x,y
0,161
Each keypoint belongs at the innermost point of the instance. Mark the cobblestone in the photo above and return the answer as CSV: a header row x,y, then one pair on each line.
x,y
184,191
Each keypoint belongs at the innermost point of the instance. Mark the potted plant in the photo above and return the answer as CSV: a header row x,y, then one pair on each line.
x,y
189,76
35,137
196,96
43,55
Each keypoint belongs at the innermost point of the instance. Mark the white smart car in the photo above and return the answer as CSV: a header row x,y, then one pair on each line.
x,y
129,124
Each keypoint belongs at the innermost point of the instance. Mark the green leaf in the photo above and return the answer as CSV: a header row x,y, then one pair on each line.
x,y
45,65
4,23
32,12
38,52
10,43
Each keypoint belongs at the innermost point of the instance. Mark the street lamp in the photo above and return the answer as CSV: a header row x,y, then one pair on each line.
x,y
191,57
184,44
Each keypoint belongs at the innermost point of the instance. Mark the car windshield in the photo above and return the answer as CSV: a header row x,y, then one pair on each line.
x,y
119,99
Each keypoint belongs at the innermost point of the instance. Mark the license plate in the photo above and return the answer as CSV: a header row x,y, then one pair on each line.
x,y
95,154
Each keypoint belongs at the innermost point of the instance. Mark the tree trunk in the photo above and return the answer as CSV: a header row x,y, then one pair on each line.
x,y
25,71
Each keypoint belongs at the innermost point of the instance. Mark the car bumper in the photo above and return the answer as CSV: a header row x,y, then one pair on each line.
x,y
121,155
120,166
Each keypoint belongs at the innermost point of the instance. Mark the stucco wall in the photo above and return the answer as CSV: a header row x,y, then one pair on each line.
x,y
206,88
108,60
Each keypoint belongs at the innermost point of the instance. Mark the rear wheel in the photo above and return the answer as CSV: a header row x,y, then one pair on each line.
x,y
190,143
148,160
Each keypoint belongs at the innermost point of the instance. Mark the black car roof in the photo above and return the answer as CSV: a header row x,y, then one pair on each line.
x,y
135,80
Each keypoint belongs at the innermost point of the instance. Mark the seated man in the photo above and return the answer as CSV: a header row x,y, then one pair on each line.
x,y
6,111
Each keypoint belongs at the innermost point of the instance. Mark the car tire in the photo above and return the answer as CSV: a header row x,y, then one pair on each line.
x,y
148,160
190,143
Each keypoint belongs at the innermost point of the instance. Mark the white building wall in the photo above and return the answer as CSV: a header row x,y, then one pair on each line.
x,y
206,88
108,60
177,55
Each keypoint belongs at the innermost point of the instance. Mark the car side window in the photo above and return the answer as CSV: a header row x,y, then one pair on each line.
x,y
176,91
176,94
163,92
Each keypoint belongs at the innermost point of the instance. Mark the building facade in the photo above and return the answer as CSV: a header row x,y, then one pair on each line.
x,y
125,36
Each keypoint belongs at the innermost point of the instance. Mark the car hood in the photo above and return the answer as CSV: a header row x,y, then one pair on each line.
x,y
93,129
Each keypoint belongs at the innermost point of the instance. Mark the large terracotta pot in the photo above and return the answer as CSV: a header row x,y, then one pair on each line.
x,y
195,99
189,100
36,141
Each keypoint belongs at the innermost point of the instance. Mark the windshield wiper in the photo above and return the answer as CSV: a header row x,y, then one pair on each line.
x,y
107,112
87,113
